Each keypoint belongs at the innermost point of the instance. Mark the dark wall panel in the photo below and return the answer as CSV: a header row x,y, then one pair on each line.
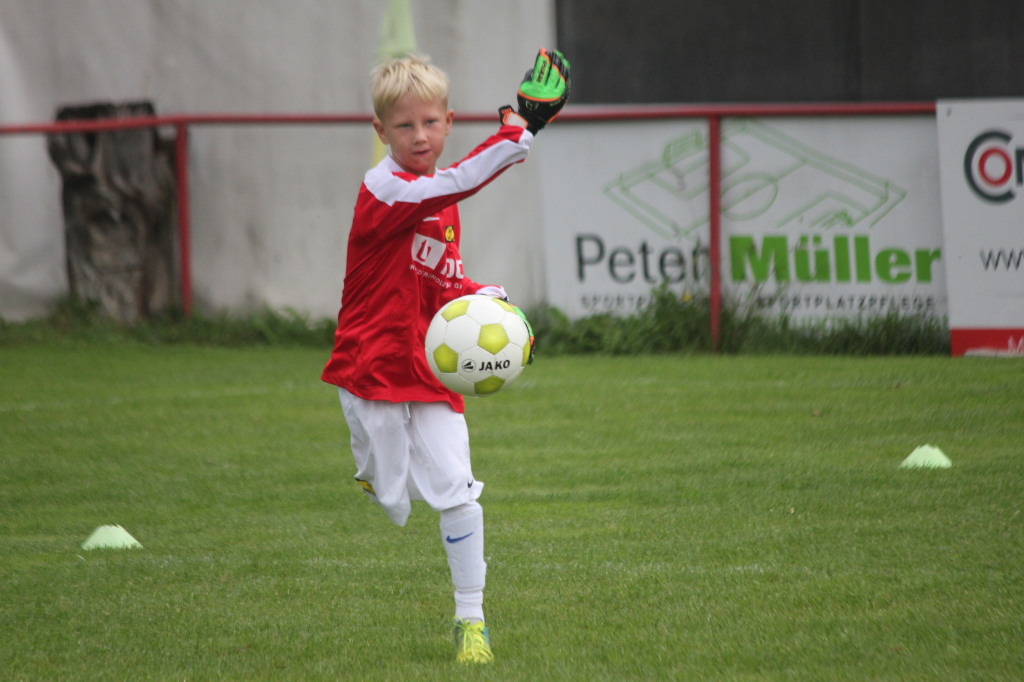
x,y
625,51
925,49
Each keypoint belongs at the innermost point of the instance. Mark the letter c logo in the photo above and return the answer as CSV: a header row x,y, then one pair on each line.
x,y
977,166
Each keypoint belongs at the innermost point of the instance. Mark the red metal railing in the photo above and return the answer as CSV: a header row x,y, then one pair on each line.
x,y
713,113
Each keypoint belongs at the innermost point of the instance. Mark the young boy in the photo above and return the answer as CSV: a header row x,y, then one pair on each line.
x,y
409,435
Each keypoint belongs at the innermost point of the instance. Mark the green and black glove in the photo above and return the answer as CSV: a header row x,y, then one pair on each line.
x,y
542,94
529,328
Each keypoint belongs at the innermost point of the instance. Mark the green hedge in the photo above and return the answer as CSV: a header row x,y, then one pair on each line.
x,y
669,324
673,324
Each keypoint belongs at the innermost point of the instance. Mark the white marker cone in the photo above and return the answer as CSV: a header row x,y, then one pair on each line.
x,y
928,457
110,537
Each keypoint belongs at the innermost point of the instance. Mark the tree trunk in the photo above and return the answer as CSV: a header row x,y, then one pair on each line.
x,y
118,199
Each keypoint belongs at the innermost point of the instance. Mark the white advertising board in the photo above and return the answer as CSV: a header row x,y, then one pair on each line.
x,y
981,151
821,218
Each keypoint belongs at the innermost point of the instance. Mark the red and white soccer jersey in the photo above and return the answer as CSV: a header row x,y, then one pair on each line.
x,y
403,264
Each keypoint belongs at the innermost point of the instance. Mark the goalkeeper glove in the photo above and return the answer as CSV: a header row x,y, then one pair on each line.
x,y
542,94
529,328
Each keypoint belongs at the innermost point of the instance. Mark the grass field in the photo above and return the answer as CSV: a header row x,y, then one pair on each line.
x,y
649,518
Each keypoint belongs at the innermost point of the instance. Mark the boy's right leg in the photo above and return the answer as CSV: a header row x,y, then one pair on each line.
x,y
380,447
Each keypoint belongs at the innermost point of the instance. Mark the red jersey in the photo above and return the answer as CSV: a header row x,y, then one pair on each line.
x,y
403,264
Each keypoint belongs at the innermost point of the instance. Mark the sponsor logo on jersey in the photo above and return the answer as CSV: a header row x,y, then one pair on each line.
x,y
427,251
431,253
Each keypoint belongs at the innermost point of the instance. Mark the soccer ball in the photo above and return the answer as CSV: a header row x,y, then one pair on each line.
x,y
476,345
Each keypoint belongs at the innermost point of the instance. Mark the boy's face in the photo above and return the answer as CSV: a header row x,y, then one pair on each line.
x,y
415,129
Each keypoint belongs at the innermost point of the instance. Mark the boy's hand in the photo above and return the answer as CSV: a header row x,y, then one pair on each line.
x,y
542,94
499,292
492,290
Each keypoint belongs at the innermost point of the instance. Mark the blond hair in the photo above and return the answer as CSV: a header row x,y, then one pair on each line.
x,y
395,78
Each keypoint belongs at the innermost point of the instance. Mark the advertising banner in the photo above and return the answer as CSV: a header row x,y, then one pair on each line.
x,y
981,152
821,218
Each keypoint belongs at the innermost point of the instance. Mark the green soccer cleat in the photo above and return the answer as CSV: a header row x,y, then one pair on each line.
x,y
472,642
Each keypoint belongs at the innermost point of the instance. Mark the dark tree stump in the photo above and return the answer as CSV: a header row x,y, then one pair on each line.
x,y
119,204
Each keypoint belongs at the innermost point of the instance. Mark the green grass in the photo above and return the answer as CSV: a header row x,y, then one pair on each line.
x,y
671,517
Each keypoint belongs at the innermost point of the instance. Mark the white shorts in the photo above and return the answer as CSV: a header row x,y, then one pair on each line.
x,y
410,451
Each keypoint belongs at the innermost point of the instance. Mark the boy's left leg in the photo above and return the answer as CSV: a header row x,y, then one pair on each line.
x,y
462,531
441,473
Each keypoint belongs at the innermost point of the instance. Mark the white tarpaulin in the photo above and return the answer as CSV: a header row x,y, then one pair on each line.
x,y
271,205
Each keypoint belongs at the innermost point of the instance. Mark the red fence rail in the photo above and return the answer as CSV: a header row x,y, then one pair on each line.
x,y
714,113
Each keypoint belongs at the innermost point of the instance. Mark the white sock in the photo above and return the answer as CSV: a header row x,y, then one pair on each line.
x,y
462,533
